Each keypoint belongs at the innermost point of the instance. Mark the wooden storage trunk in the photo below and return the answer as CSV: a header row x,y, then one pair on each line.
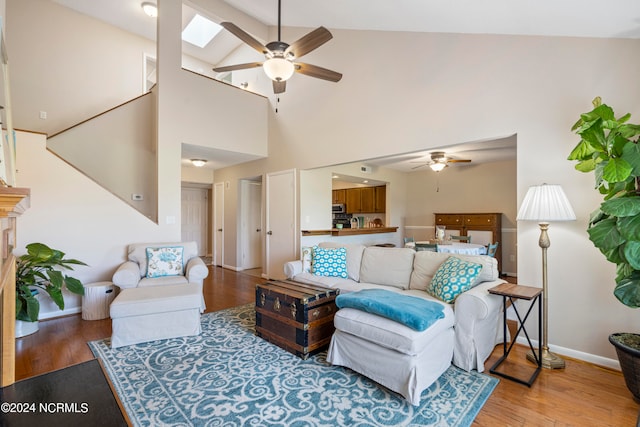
x,y
294,316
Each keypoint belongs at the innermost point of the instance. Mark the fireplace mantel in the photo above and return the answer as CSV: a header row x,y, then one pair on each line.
x,y
13,202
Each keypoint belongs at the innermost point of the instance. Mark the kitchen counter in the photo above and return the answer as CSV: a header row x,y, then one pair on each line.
x,y
350,231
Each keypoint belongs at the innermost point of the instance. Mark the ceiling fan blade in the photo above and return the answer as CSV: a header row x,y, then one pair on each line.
x,y
458,161
244,36
318,72
237,67
309,42
420,166
279,86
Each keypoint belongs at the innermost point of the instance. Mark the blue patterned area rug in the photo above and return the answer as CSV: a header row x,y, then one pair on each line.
x,y
227,376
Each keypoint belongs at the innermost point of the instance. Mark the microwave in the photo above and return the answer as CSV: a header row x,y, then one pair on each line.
x,y
338,208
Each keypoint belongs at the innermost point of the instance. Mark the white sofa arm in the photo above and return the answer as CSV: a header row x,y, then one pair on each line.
x,y
478,322
196,270
127,275
292,268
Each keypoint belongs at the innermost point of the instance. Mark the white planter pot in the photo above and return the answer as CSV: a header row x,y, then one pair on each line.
x,y
25,328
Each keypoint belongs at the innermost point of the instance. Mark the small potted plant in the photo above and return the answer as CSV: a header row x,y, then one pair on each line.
x,y
609,147
38,271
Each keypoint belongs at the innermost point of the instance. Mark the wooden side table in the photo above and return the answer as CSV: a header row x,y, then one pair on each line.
x,y
513,292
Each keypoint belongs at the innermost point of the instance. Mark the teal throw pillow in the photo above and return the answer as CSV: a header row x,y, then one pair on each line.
x,y
453,277
164,261
329,262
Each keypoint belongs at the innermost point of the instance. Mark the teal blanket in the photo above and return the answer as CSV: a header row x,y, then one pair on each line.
x,y
414,312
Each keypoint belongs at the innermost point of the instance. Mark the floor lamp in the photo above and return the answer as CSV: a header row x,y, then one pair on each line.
x,y
544,203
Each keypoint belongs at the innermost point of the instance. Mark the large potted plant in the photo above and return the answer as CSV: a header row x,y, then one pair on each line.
x,y
609,147
38,272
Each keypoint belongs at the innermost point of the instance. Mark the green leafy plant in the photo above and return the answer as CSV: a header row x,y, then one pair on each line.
x,y
39,269
609,147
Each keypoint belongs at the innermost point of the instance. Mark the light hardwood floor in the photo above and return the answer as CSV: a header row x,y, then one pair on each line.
x,y
579,395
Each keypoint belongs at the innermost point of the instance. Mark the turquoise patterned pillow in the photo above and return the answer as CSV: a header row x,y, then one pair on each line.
x,y
453,277
329,262
165,261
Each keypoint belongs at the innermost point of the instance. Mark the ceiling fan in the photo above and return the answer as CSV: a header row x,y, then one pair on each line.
x,y
439,161
279,62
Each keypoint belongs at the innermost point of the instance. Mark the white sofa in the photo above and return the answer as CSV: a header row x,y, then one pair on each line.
x,y
478,319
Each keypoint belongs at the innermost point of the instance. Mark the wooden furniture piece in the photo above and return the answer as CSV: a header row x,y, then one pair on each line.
x,y
513,292
468,223
13,202
96,300
295,317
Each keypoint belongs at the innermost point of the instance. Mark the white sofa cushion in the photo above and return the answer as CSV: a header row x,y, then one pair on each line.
x,y
426,263
388,333
387,266
354,257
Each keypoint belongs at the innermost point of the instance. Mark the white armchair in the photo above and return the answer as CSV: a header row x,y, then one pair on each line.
x,y
135,273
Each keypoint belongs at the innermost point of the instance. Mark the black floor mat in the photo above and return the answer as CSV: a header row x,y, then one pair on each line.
x,y
75,396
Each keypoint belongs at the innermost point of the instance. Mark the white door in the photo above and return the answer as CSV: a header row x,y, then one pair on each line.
x,y
218,223
280,223
251,224
194,217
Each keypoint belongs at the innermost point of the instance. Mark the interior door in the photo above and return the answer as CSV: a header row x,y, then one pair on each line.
x,y
251,224
281,243
194,217
218,223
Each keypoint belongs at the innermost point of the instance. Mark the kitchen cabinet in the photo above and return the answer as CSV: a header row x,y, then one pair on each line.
x,y
365,199
381,199
339,197
484,228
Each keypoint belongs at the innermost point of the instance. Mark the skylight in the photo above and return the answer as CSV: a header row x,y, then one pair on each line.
x,y
200,31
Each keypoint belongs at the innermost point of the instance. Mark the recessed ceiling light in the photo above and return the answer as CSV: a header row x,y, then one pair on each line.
x,y
198,162
150,9
200,31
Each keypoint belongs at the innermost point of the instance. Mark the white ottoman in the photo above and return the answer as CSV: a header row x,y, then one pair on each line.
x,y
400,358
154,313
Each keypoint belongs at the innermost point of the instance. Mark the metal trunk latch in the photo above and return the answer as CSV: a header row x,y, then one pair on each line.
x,y
276,304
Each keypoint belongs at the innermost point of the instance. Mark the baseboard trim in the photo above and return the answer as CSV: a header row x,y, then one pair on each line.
x,y
575,354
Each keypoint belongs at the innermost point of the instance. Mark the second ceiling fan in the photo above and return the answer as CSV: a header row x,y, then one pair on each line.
x,y
439,161
279,60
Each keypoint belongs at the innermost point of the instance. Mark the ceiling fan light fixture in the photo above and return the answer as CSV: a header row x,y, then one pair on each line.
x,y
150,9
278,69
437,167
198,162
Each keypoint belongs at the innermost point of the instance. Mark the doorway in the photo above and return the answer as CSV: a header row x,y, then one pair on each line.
x,y
251,235
195,216
218,223
280,225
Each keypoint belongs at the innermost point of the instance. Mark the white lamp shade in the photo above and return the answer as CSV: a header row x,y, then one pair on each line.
x,y
544,203
278,69
437,167
198,162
